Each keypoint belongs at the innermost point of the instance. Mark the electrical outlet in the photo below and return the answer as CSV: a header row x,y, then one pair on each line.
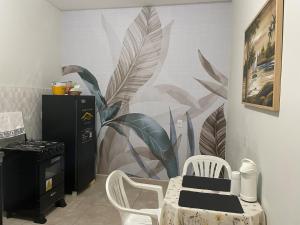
x,y
179,123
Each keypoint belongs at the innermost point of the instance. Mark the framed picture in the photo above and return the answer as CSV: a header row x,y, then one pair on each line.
x,y
262,58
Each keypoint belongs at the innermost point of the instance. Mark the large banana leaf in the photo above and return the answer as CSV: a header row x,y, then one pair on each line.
x,y
139,57
123,158
110,112
213,134
211,70
159,167
154,136
138,159
90,81
166,31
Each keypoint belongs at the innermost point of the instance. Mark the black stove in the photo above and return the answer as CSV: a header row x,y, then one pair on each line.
x,y
43,149
34,146
33,173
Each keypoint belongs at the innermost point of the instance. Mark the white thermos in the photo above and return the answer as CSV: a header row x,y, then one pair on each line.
x,y
248,181
235,187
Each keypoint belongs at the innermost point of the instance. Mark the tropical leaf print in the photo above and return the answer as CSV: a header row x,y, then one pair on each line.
x,y
191,135
166,32
179,94
174,140
219,88
215,88
139,57
110,112
154,136
90,81
136,156
125,158
140,54
159,167
211,70
173,135
204,103
213,134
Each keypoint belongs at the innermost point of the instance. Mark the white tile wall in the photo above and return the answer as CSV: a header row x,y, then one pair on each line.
x,y
29,102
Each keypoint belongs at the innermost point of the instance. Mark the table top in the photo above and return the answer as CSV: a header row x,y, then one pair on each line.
x,y
253,212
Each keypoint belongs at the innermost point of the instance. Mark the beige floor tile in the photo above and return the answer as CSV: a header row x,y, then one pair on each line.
x,y
100,215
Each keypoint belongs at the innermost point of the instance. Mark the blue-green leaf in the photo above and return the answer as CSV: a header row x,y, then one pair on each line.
x,y
176,149
191,135
91,83
154,136
173,136
137,157
110,112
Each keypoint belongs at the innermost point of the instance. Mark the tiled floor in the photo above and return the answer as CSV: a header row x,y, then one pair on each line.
x,y
92,207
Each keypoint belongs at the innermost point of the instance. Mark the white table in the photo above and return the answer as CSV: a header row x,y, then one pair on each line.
x,y
173,214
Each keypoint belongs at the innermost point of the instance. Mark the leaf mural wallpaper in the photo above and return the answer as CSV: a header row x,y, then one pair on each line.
x,y
136,140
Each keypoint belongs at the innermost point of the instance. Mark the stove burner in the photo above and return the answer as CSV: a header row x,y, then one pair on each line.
x,y
31,145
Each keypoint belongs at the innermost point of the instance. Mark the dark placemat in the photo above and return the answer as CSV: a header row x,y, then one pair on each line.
x,y
214,184
216,202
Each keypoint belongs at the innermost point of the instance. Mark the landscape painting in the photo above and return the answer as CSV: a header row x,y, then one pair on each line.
x,y
262,58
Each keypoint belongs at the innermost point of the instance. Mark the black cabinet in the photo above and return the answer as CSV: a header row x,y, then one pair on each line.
x,y
1,188
71,119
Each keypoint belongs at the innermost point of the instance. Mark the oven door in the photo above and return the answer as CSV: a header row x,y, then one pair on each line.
x,y
51,173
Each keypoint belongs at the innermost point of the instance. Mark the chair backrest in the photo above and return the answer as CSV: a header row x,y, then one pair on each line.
x,y
207,166
115,189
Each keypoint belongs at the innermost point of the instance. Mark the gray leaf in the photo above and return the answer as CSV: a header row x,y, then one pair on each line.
x,y
211,70
213,134
166,31
180,95
214,88
139,57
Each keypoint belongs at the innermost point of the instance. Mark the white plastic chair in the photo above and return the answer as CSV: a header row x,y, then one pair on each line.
x,y
117,196
207,166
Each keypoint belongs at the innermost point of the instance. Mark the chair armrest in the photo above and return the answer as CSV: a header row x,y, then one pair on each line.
x,y
152,215
151,187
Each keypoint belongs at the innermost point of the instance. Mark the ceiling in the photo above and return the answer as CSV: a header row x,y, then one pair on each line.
x,y
99,4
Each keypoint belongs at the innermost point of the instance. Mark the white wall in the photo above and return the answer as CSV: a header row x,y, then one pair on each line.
x,y
29,57
29,43
270,139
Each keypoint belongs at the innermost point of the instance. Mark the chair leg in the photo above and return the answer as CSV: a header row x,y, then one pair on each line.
x,y
154,221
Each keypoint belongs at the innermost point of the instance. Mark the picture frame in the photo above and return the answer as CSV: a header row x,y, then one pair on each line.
x,y
263,58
